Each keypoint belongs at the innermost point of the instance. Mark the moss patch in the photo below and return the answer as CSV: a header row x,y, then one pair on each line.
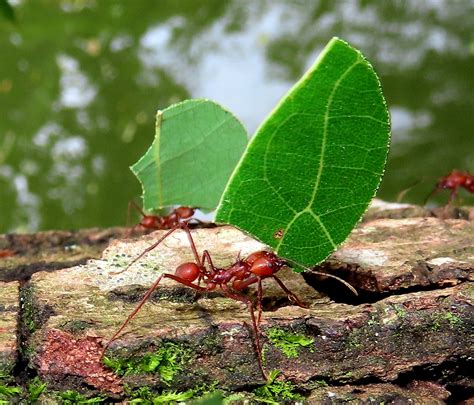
x,y
73,397
277,392
9,394
75,326
446,319
30,315
145,395
167,361
289,343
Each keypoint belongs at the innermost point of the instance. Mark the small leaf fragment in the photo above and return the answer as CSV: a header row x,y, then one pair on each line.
x,y
196,147
316,162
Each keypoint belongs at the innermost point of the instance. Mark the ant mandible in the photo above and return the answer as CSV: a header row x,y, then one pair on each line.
x,y
156,222
231,280
453,182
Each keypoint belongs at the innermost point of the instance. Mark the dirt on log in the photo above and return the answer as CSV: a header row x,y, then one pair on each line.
x,y
408,337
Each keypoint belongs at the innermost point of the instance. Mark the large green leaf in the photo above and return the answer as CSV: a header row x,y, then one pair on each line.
x,y
313,166
197,146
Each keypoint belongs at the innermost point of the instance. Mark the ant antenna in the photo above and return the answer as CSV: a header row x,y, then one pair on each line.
x,y
402,193
133,204
433,192
151,247
320,273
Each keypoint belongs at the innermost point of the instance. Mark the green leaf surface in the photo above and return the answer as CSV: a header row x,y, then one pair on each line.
x,y
197,146
316,162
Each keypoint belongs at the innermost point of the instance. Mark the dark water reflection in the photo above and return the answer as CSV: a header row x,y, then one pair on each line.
x,y
80,83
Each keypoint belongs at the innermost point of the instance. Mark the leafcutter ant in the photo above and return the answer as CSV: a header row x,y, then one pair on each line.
x,y
231,281
156,222
6,253
453,182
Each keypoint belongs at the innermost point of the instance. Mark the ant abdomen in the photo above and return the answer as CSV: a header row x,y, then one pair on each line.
x,y
188,271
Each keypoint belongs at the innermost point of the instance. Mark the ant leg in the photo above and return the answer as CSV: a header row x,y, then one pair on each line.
x,y
133,204
307,270
134,312
132,230
452,196
207,256
291,296
184,226
150,248
145,299
259,301
247,301
244,284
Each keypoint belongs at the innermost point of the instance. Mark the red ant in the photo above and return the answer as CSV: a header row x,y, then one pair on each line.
x,y
231,280
452,182
156,222
6,253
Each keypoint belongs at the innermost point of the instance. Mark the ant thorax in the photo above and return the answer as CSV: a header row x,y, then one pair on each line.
x,y
238,271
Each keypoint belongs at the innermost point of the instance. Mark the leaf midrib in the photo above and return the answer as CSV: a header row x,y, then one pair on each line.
x,y
308,208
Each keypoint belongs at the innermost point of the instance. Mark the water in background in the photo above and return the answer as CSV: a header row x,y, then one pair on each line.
x,y
81,80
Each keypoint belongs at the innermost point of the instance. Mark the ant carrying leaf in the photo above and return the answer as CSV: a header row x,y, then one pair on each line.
x,y
201,275
301,186
157,222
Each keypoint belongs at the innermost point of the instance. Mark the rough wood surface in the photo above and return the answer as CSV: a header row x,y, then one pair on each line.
x,y
409,337
396,254
9,308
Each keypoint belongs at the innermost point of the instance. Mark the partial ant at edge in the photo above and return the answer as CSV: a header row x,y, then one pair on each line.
x,y
160,222
454,181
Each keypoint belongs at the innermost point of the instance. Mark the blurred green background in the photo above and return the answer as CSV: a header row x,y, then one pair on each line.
x,y
80,82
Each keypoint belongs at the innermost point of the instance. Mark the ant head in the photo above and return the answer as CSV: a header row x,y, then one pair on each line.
x,y
253,257
264,263
184,212
150,222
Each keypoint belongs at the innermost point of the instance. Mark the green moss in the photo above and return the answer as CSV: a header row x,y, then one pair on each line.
x,y
75,326
449,319
205,389
276,392
452,319
146,396
233,398
349,374
289,343
75,398
6,371
167,361
9,394
35,388
401,312
29,313
321,383
353,340
372,321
